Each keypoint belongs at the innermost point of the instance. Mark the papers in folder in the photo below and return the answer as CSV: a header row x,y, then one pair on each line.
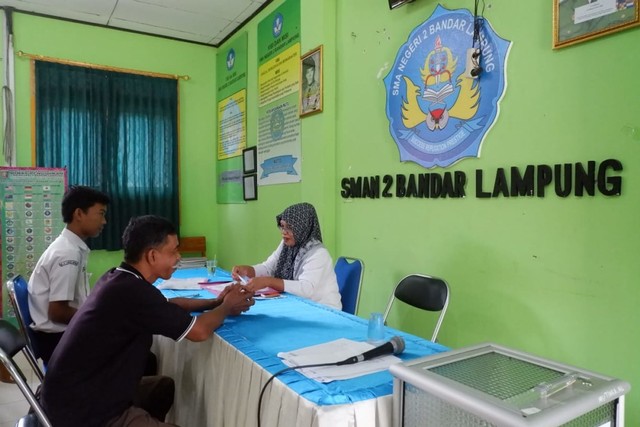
x,y
336,351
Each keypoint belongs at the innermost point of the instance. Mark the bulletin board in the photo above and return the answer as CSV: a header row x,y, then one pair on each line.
x,y
30,200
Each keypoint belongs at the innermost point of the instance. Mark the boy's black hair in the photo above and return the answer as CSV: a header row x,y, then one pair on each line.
x,y
80,197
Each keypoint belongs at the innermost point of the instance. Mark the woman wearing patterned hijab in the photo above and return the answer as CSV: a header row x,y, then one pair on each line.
x,y
301,264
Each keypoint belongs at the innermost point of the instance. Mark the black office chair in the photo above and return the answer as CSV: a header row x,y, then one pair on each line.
x,y
424,292
349,272
11,343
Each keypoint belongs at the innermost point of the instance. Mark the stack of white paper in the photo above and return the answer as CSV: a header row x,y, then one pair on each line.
x,y
336,351
192,262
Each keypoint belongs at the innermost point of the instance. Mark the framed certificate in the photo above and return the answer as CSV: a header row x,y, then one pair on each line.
x,y
249,161
575,21
250,187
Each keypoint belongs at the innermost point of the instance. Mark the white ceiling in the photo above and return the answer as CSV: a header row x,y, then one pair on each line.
x,y
201,21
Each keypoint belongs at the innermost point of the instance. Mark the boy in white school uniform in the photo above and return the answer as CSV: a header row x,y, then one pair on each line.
x,y
60,283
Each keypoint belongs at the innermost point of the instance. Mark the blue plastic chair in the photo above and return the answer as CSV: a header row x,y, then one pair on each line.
x,y
349,272
19,297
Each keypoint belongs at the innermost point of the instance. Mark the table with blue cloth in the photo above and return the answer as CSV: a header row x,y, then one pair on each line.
x,y
218,381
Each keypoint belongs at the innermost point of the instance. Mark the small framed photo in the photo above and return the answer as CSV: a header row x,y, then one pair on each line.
x,y
575,21
249,160
311,82
250,187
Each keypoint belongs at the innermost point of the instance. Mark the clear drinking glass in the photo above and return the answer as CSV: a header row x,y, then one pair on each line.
x,y
212,264
375,334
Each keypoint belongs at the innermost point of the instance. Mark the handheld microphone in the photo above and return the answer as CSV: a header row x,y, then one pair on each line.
x,y
394,346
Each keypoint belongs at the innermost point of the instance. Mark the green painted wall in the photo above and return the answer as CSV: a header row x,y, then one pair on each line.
x,y
553,276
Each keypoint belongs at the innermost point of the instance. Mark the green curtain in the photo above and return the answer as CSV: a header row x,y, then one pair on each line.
x,y
116,132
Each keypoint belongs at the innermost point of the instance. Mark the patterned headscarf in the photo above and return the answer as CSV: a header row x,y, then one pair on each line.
x,y
303,221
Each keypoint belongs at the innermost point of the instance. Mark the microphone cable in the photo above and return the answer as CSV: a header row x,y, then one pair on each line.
x,y
282,371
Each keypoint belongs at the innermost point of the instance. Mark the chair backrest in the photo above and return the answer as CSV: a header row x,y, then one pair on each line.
x,y
18,291
349,272
423,292
11,343
193,245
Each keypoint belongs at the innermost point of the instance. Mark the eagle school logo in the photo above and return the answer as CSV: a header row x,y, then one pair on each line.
x,y
439,114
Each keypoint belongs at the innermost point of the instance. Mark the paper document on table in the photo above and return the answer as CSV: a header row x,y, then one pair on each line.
x,y
217,287
336,351
181,283
264,293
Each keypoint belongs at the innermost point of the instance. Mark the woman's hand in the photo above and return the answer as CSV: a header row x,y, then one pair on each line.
x,y
242,271
258,283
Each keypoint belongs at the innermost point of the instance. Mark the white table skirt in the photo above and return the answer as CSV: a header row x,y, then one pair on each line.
x,y
218,386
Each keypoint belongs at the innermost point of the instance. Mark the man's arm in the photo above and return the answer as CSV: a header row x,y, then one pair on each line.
x,y
61,311
235,301
192,304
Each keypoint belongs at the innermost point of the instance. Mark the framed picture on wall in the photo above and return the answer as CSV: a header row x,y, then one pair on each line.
x,y
249,160
575,21
250,187
311,82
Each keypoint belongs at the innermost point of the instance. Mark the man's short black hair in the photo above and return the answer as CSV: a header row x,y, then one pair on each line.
x,y
145,232
80,197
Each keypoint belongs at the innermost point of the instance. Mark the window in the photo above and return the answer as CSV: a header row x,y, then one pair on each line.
x,y
115,132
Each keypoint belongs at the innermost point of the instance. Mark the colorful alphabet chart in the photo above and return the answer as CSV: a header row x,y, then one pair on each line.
x,y
30,200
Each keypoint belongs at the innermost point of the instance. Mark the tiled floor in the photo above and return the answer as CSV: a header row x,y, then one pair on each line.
x,y
13,405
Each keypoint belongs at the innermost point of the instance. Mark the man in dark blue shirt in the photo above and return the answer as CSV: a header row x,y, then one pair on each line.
x,y
94,374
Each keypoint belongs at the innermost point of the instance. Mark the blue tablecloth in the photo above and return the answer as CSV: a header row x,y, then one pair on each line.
x,y
291,322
